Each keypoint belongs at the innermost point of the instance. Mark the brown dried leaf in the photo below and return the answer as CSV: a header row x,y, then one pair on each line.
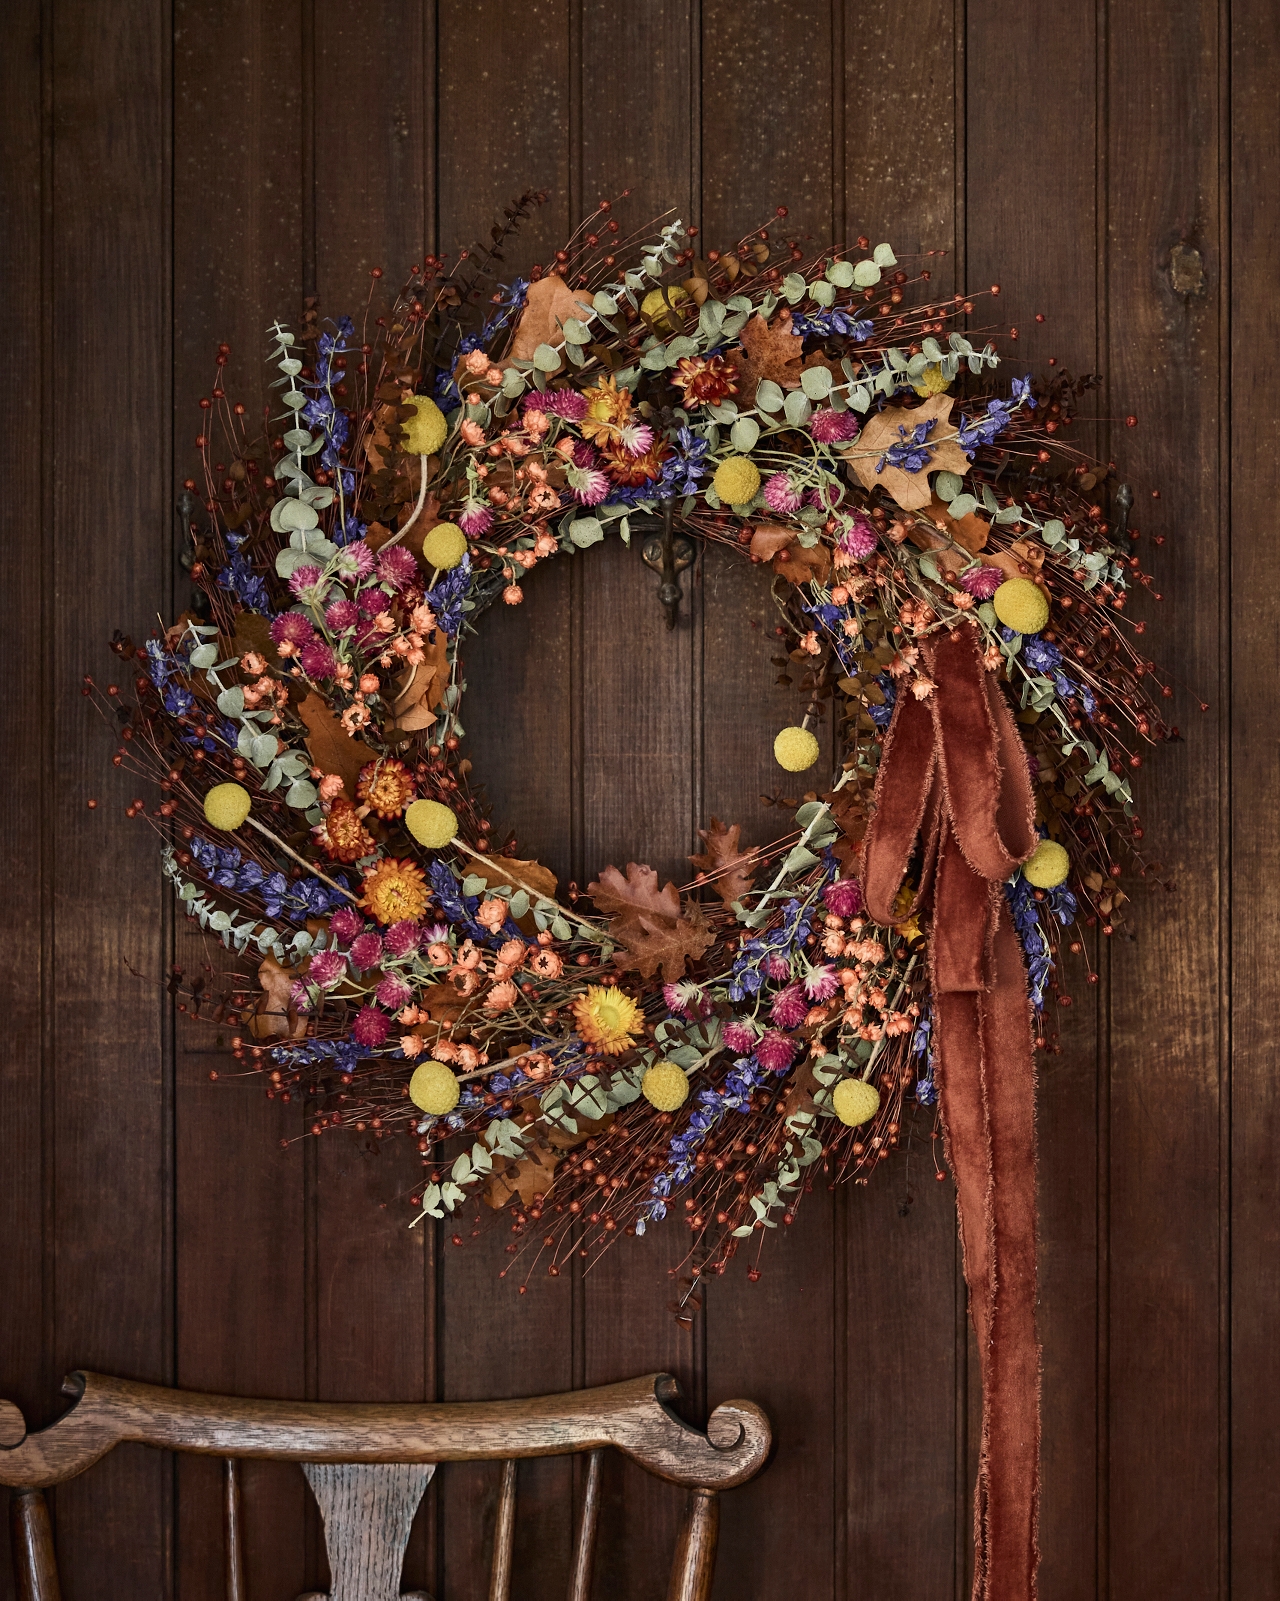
x,y
799,563
971,531
531,1175
724,857
530,875
549,303
663,945
769,539
768,352
635,898
271,1017
332,749
421,688
910,490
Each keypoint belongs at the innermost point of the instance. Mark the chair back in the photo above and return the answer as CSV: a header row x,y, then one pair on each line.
x,y
369,1464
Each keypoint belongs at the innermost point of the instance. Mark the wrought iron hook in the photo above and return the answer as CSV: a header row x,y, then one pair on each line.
x,y
668,553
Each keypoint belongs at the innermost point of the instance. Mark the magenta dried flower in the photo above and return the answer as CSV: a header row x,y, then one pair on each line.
x,y
371,1027
345,923
739,1037
393,992
327,967
821,983
475,521
339,615
858,539
396,567
780,496
777,966
401,939
843,898
833,427
317,660
775,1052
366,950
291,628
790,1008
981,582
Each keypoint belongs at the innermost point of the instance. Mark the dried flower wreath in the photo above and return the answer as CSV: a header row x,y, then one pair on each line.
x,y
951,576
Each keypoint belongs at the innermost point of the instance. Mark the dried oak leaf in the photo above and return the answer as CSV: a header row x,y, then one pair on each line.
x,y
531,1175
970,531
729,867
548,305
799,563
767,352
332,749
528,875
648,922
420,688
910,490
271,1017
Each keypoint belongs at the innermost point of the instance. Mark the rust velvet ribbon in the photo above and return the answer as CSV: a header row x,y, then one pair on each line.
x,y
954,781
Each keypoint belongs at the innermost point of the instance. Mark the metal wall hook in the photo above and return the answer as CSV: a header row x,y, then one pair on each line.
x,y
1122,500
668,553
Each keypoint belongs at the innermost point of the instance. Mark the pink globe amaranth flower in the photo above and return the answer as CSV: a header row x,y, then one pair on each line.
x,y
361,558
775,1052
393,992
779,495
291,628
637,438
823,498
366,950
859,539
821,983
790,1008
340,615
778,966
299,1000
317,660
739,1037
982,582
345,924
397,567
833,427
566,403
402,938
475,521
371,1027
302,579
686,1000
843,897
589,485
326,968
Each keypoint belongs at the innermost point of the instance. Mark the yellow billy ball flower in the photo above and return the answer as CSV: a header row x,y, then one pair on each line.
x,y
1048,867
431,824
425,431
444,547
433,1089
736,481
855,1101
227,806
658,304
795,749
1021,605
665,1086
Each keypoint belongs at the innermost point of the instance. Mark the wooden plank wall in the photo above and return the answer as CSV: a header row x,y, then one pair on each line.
x,y
178,173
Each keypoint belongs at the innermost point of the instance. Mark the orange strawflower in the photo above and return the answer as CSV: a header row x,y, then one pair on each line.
x,y
395,891
342,835
386,787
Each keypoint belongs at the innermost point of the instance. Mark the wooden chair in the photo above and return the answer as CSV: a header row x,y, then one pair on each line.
x,y
368,1466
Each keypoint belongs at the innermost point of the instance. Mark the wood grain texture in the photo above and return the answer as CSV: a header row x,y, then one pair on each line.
x,y
368,1510
1165,1407
1255,780
34,1563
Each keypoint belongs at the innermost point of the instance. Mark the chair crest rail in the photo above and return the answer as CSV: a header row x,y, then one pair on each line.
x,y
632,1416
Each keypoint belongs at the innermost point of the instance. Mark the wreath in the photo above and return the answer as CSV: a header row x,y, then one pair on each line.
x,y
951,576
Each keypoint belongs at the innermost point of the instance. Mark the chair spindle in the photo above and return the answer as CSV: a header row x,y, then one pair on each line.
x,y
232,1529
584,1554
504,1536
695,1562
35,1568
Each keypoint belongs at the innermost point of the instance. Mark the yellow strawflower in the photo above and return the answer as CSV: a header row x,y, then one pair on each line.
x,y
607,1019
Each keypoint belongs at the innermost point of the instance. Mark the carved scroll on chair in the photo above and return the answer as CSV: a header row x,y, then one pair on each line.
x,y
369,1464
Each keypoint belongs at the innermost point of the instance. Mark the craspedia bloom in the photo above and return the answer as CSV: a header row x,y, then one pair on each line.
x,y
1021,605
705,380
386,787
425,431
1048,866
394,891
737,480
607,1019
795,749
226,806
658,305
855,1101
431,823
444,547
433,1089
342,835
665,1086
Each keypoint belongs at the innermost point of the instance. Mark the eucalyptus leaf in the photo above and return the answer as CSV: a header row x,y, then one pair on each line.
x,y
231,701
301,793
204,656
576,332
865,274
584,531
883,256
948,485
744,434
823,293
473,884
840,273
816,382
962,505
546,359
797,408
263,749
768,396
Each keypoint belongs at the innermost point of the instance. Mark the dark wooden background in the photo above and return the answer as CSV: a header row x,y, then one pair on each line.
x,y
176,172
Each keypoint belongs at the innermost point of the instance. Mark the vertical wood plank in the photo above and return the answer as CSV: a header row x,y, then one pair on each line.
x,y
1045,260
768,97
112,1131
240,1291
494,1342
1165,1264
904,1310
1255,852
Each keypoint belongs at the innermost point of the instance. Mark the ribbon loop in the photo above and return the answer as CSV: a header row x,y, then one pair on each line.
x,y
953,777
